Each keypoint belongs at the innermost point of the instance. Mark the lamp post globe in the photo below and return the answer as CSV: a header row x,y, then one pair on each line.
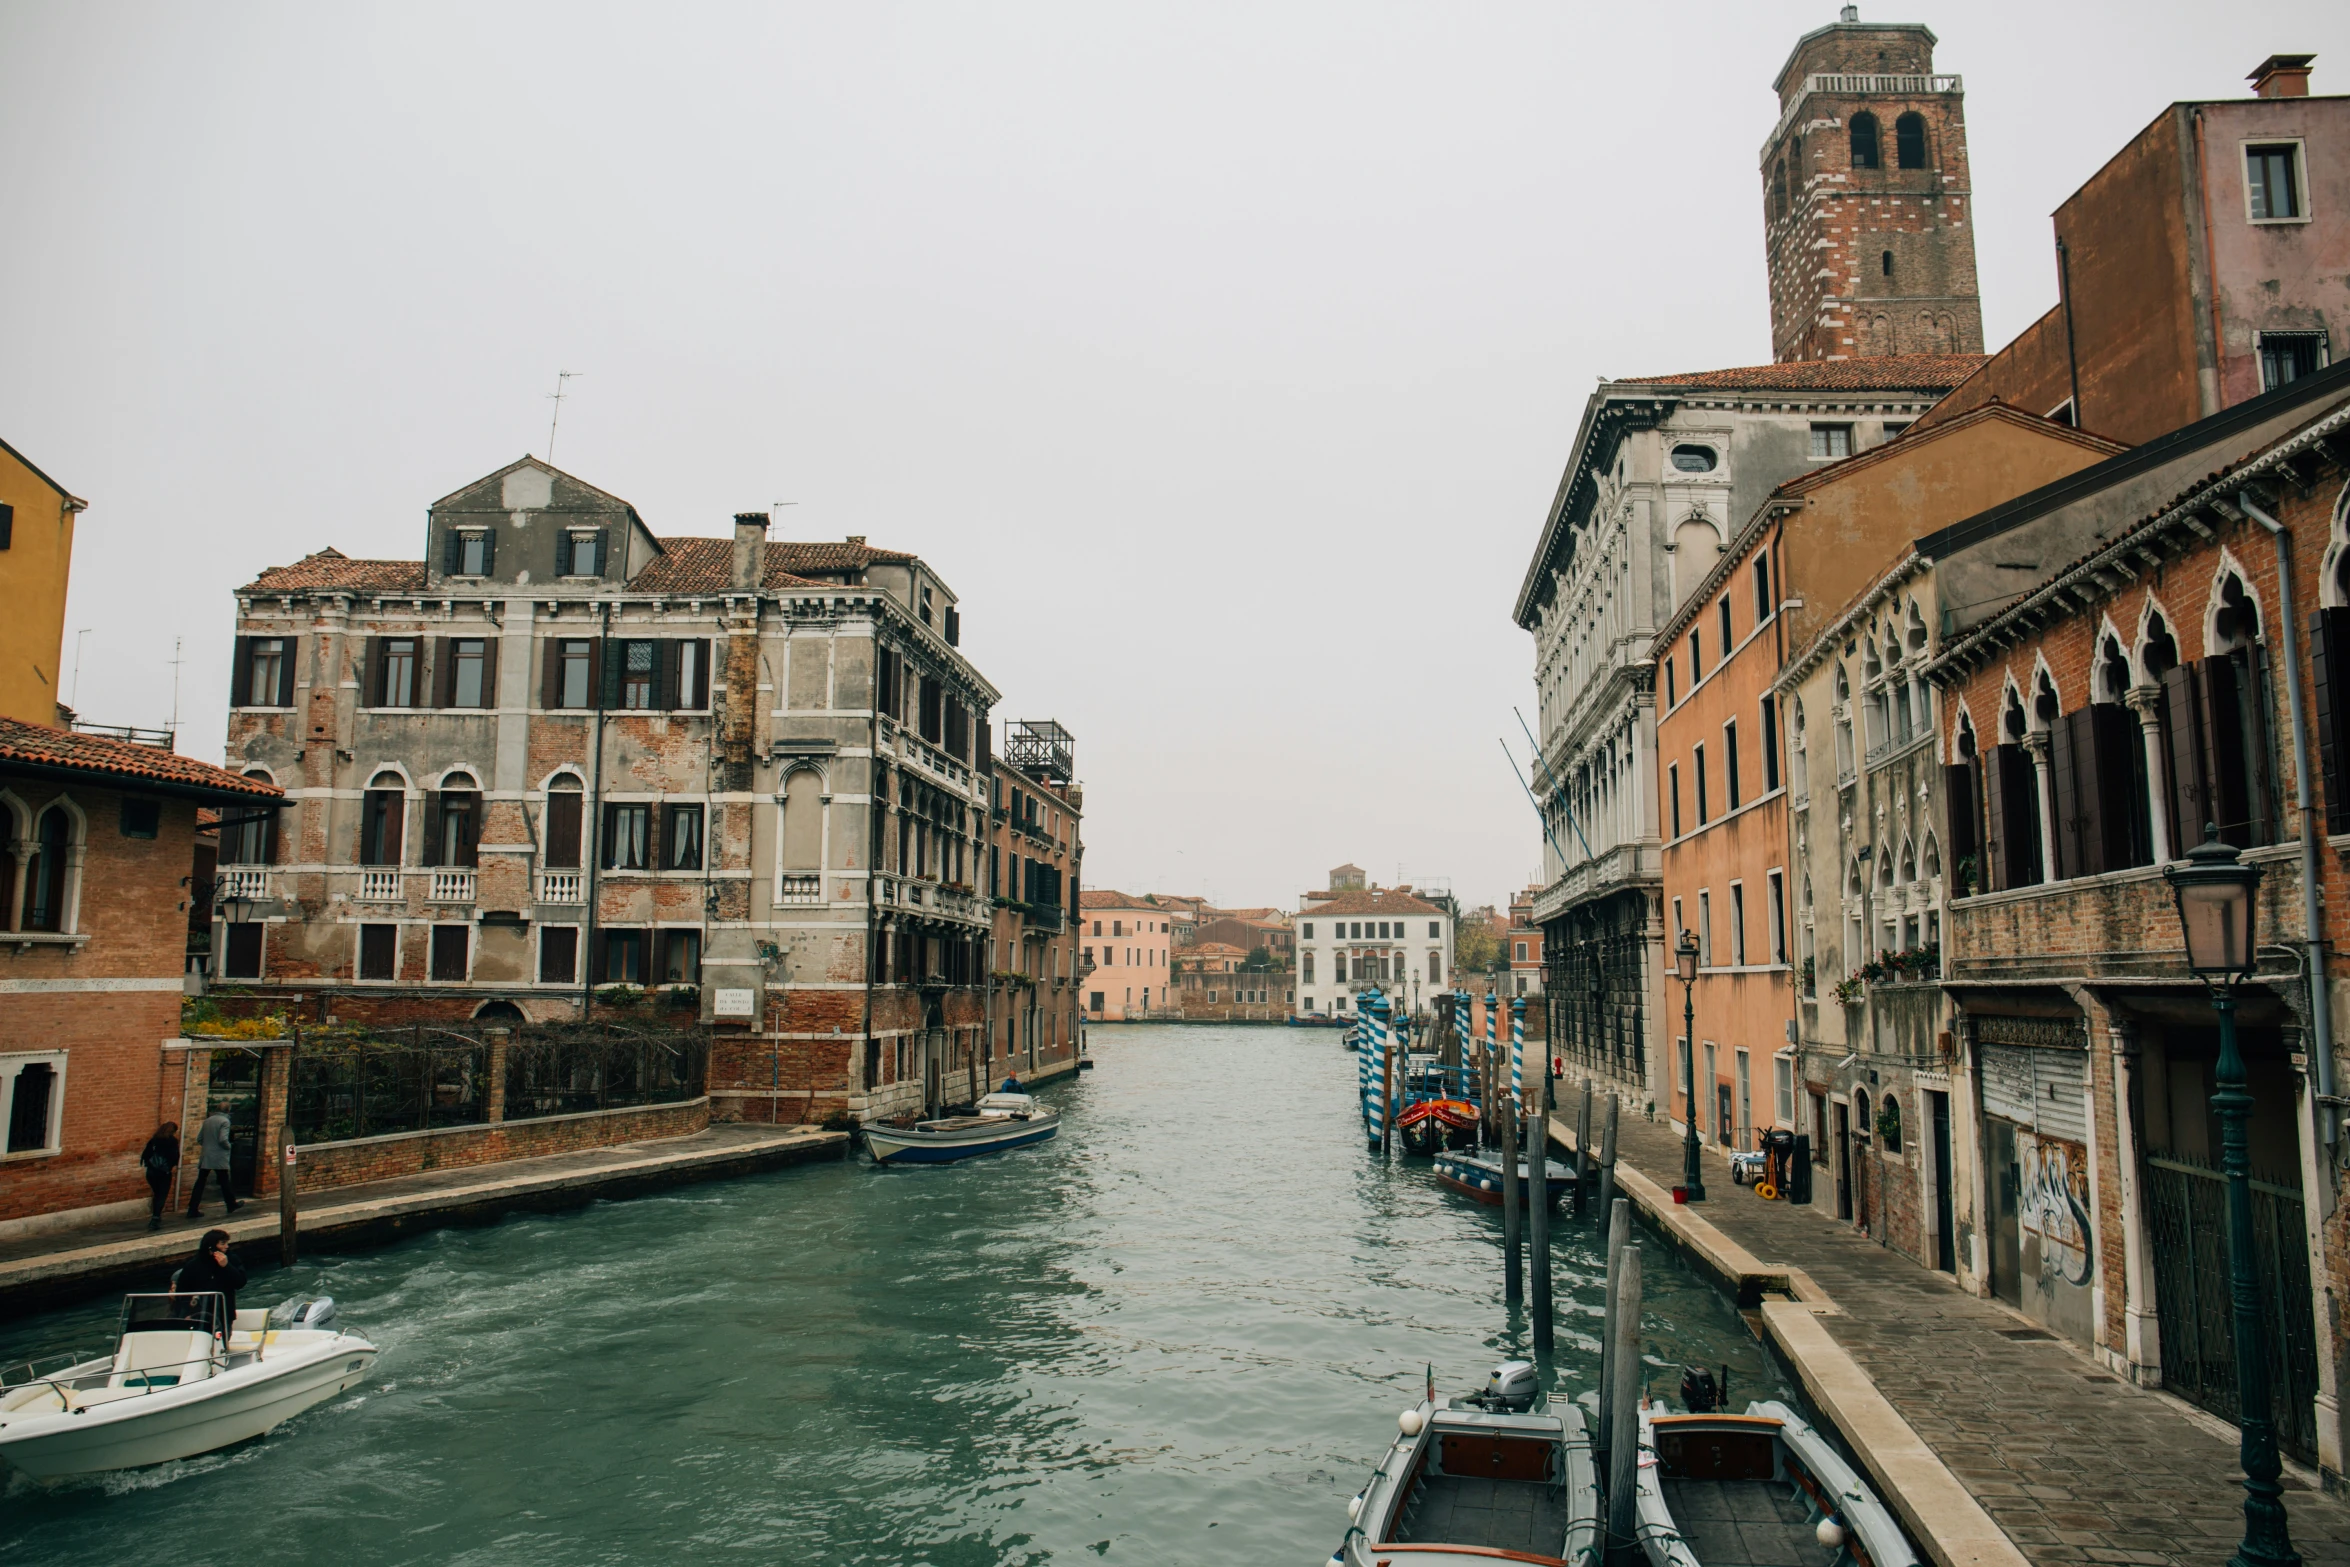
x,y
2218,914
1685,964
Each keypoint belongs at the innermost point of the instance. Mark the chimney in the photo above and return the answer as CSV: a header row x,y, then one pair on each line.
x,y
856,538
2282,76
750,550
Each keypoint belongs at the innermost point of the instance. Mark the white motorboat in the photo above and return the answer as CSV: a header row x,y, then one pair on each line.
x,y
1000,1121
182,1380
1479,1478
1761,1489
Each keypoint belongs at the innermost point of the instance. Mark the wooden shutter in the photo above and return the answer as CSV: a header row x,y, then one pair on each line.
x,y
562,553
551,672
2062,768
2260,757
241,674
372,693
288,648
2223,739
698,695
668,692
452,548
489,672
489,551
1958,796
2182,743
441,674
2329,644
2116,812
603,552
563,813
608,659
469,831
432,830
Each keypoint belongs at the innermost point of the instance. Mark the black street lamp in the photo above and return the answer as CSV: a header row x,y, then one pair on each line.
x,y
2216,911
1685,961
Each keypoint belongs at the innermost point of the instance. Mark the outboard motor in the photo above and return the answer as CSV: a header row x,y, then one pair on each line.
x,y
315,1312
1700,1393
1510,1388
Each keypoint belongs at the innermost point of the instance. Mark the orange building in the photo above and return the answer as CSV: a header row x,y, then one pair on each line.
x,y
1123,944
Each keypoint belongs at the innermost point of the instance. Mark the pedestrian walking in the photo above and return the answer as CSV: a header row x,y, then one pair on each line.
x,y
212,1160
160,1161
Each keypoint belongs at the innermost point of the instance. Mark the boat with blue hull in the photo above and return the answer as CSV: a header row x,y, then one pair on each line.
x,y
1478,1175
1001,1121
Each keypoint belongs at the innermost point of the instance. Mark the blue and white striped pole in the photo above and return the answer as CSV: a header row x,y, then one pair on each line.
x,y
1518,1049
1374,1010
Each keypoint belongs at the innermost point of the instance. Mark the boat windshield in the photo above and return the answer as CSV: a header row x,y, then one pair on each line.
x,y
1014,1103
175,1313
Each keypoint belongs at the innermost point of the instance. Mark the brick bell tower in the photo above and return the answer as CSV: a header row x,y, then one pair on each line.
x,y
1867,211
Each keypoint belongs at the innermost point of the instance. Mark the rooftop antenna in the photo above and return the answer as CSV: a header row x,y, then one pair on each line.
x,y
73,697
175,692
561,376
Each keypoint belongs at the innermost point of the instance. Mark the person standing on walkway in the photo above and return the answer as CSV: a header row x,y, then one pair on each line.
x,y
212,1160
160,1161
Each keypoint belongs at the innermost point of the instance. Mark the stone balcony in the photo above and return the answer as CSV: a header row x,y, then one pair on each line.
x,y
1611,870
2122,924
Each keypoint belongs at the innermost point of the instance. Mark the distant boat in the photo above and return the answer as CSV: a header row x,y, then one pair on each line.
x,y
1003,1121
1315,1020
1478,1175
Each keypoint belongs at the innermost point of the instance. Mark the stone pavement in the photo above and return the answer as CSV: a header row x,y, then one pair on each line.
x,y
2075,1463
63,1265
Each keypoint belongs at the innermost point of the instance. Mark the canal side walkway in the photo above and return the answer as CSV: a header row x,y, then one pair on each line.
x,y
65,1265
1962,1411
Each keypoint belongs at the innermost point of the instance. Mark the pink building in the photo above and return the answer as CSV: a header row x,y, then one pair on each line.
x,y
1123,944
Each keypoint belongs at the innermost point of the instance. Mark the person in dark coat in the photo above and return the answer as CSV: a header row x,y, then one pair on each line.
x,y
212,1163
211,1271
160,1161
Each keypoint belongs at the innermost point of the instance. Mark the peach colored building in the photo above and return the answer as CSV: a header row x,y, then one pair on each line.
x,y
1123,944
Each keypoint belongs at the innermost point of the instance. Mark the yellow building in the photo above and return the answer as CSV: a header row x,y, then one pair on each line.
x,y
36,558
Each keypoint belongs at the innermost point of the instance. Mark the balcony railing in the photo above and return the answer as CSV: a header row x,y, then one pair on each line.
x,y
241,881
562,887
451,887
800,889
379,886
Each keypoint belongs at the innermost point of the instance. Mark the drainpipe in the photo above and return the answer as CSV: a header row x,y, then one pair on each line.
x,y
2321,1013
591,839
2064,292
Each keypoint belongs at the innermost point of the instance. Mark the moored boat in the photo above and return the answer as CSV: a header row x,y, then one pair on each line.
x,y
1761,1489
183,1379
1478,1175
1434,1125
999,1121
1481,1478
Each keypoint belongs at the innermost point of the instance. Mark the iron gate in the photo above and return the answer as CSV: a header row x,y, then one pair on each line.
x,y
2187,1223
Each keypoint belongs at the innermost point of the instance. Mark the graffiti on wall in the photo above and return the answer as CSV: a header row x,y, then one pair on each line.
x,y
2054,1206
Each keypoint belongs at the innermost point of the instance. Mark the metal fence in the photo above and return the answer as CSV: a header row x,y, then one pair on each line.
x,y
560,1071
2186,1218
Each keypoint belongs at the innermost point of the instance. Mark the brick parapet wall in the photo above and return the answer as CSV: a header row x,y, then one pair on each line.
x,y
325,1166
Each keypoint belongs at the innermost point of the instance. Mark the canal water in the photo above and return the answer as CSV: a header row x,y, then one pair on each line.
x,y
1180,1332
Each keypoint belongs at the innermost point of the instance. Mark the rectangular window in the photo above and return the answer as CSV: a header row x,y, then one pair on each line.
x,y
1783,1081
681,842
639,663
1775,884
7,525
241,957
1705,927
681,957
396,673
379,951
1673,794
1700,781
558,954
469,677
580,553
2272,180
451,945
1730,765
141,818
1310,936
623,958
1738,923
2288,356
1729,640
628,834
382,825
32,1100
1831,440
1696,658
1432,929
1770,743
1763,608
575,673
1669,696
266,663
473,554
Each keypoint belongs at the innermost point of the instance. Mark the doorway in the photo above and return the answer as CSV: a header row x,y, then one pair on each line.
x,y
1723,1125
1945,1242
2007,1181
1841,1151
236,1091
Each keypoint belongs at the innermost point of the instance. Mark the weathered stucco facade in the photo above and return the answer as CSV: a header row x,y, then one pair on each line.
x,y
561,761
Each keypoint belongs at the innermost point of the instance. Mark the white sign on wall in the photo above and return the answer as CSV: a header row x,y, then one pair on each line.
x,y
735,1003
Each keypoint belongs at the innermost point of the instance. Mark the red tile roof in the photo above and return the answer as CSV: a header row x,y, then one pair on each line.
x,y
809,558
1377,902
331,568
1884,372
1104,898
35,746
700,564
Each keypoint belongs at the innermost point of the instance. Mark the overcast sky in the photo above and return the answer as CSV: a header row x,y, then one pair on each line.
x,y
1223,358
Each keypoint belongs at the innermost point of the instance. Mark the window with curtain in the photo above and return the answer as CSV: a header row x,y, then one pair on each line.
x,y
628,837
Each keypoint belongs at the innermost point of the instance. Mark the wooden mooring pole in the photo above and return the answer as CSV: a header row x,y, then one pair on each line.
x,y
1513,1269
1619,1235
1607,1160
1623,1464
289,1213
1538,1190
1585,1165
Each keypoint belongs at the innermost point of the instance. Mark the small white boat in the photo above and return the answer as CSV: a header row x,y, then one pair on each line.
x,y
1761,1489
1478,1479
1001,1121
182,1380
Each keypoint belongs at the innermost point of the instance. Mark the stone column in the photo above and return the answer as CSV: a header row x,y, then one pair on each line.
x,y
2036,744
494,1107
2146,702
2141,1321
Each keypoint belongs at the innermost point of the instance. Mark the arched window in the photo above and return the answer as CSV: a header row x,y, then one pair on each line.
x,y
1889,1123
803,822
2162,649
454,827
48,889
2012,722
2113,671
1864,141
566,813
1860,1116
2236,623
1779,189
1909,140
383,820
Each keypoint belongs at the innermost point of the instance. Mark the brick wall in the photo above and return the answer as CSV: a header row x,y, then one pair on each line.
x,y
325,1166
